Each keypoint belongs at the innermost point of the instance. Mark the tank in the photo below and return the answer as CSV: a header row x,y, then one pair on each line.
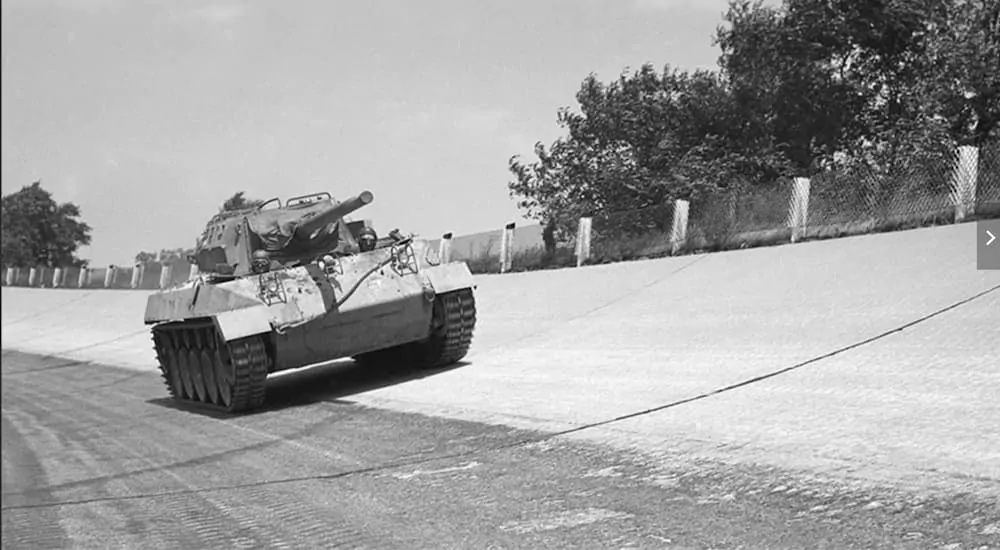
x,y
286,286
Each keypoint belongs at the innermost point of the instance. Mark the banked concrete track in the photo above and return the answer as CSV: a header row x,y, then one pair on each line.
x,y
867,362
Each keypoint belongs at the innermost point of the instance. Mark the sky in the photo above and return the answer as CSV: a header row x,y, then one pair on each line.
x,y
148,114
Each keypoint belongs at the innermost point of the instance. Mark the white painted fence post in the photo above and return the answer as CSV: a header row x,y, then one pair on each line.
x,y
444,248
678,232
798,208
32,276
963,182
83,280
137,273
507,248
9,276
57,276
503,250
510,228
165,275
583,234
109,276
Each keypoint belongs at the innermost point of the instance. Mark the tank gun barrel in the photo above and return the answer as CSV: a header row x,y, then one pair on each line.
x,y
356,202
333,213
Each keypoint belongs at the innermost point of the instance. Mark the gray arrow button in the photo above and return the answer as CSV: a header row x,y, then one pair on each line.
x,y
988,244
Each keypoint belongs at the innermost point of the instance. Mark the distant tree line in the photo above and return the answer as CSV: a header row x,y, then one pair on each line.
x,y
800,88
39,232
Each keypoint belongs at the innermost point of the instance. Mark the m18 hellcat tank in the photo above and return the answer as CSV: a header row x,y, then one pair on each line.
x,y
298,284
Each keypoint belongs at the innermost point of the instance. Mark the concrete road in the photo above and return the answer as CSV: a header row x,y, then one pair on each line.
x,y
94,457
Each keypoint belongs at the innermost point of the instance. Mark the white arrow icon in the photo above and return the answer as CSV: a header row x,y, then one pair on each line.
x,y
992,237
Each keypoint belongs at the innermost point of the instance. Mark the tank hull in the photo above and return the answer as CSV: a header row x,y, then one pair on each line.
x,y
384,312
395,303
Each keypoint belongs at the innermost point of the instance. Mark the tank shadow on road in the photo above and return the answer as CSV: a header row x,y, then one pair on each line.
x,y
325,382
334,381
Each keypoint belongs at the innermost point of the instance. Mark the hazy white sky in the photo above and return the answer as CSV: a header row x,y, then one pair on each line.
x,y
149,113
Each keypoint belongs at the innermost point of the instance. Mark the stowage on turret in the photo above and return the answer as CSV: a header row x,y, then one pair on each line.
x,y
298,284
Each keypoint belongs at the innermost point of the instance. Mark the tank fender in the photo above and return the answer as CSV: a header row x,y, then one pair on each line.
x,y
448,277
240,323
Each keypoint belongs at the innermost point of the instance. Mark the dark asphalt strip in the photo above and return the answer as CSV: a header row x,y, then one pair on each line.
x,y
30,474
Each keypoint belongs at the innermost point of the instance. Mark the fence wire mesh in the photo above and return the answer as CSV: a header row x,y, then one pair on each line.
x,y
636,233
730,218
988,180
917,191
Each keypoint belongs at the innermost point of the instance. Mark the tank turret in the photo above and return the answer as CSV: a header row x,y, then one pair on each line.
x,y
305,223
304,228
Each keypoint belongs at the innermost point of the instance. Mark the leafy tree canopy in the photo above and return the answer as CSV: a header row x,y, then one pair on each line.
x,y
39,232
800,88
239,202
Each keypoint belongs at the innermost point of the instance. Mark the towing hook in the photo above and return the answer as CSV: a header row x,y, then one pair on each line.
x,y
429,293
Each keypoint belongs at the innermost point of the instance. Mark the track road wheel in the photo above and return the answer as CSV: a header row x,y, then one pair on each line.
x,y
224,379
187,379
199,367
452,326
193,366
207,366
166,356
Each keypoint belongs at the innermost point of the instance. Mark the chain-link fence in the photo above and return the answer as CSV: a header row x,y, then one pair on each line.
x,y
637,233
987,196
738,217
918,189
916,193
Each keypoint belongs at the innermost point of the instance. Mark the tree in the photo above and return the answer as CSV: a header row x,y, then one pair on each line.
x,y
239,202
880,88
826,75
964,54
37,231
640,142
847,77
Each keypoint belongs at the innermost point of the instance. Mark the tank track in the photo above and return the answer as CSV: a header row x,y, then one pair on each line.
x,y
199,368
452,327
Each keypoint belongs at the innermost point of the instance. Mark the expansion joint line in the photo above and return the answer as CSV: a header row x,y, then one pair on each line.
x,y
778,372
